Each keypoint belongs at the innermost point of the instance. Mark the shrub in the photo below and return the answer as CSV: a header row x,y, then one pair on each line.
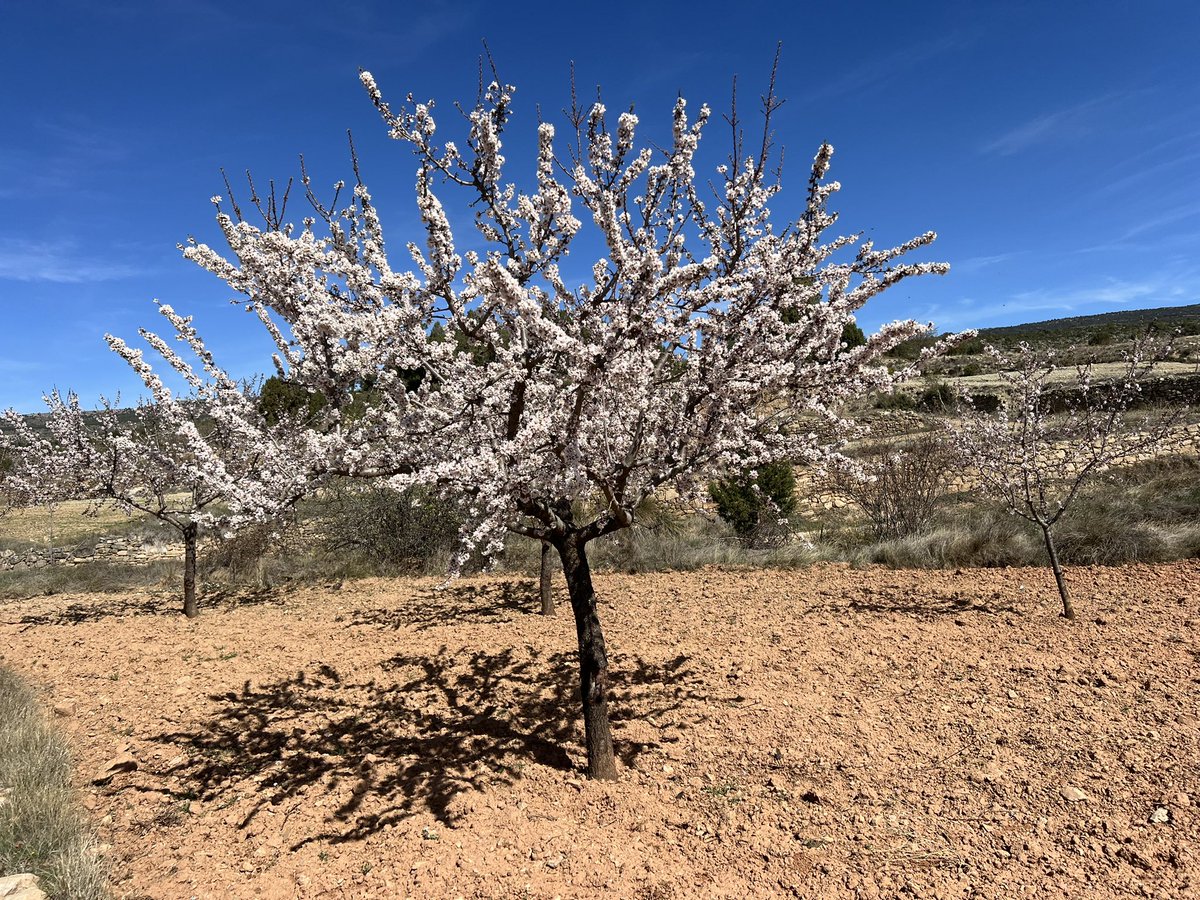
x,y
940,397
244,554
900,484
412,530
985,403
896,400
757,507
967,348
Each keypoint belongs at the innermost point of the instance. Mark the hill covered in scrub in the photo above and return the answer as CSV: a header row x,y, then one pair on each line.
x,y
1101,335
1118,325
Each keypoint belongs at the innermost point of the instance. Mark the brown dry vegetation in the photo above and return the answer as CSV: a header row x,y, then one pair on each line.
x,y
827,732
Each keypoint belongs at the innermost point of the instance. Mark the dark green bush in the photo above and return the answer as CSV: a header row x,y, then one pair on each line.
x,y
413,530
896,400
940,397
968,348
757,508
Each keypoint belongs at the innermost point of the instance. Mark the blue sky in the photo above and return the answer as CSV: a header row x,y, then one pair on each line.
x,y
1055,148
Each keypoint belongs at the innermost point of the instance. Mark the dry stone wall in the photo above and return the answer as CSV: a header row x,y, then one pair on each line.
x,y
814,495
136,550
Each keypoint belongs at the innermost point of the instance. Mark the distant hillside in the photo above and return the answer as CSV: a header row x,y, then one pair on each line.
x,y
1088,332
1098,329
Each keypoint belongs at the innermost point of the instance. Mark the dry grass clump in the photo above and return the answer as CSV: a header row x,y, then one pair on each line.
x,y
697,543
97,577
41,829
1144,513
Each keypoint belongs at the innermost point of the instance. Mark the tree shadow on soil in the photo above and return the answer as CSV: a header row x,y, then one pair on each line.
x,y
101,607
165,603
930,604
492,603
439,726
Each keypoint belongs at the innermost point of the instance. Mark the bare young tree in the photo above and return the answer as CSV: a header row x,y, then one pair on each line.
x,y
897,484
702,336
1050,435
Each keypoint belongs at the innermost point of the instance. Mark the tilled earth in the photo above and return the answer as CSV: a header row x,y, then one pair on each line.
x,y
829,732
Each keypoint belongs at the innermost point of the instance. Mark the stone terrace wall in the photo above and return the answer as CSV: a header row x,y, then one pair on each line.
x,y
813,493
137,550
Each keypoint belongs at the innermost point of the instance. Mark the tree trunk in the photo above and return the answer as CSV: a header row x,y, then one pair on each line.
x,y
546,581
1068,609
593,661
190,609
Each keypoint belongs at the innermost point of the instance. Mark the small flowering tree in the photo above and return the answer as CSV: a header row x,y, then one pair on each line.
x,y
1050,437
210,461
702,337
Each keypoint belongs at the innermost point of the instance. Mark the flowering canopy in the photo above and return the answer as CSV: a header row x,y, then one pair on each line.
x,y
1042,445
209,459
706,336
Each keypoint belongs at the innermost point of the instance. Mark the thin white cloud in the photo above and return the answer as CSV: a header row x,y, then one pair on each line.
x,y
1074,121
1178,214
58,262
9,366
1144,173
1114,292
975,263
878,70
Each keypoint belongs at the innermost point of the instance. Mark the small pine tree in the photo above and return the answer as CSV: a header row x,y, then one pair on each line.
x,y
756,505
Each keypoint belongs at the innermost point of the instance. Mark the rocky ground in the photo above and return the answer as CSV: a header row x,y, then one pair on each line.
x,y
829,732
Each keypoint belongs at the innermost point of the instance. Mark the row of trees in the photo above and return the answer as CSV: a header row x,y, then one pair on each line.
x,y
1032,453
704,338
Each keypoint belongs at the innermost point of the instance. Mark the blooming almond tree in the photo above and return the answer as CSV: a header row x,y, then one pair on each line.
x,y
1050,436
702,336
209,461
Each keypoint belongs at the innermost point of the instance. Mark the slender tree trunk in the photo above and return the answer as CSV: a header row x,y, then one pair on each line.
x,y
190,609
593,660
546,581
1068,609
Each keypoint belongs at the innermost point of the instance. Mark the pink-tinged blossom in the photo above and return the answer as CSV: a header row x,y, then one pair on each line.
x,y
210,460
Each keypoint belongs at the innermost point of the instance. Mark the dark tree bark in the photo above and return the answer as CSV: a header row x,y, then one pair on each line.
x,y
546,581
190,608
1068,609
593,660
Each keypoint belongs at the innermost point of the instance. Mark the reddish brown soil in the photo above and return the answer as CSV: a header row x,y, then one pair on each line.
x,y
821,733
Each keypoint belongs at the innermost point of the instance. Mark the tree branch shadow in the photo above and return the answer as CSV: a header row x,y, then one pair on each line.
x,y
104,606
158,603
930,604
430,728
492,603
